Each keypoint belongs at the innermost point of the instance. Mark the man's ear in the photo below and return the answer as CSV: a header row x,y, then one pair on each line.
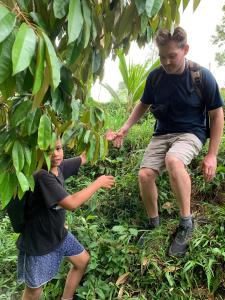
x,y
186,49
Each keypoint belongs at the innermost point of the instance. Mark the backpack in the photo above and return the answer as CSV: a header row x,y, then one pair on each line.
x,y
16,212
196,77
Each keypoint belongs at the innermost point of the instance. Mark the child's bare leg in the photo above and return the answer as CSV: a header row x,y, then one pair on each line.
x,y
31,293
75,274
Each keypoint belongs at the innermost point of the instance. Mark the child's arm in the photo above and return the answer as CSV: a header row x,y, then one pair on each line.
x,y
75,200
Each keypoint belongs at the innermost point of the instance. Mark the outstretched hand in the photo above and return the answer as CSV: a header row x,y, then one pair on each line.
x,y
83,158
116,137
106,181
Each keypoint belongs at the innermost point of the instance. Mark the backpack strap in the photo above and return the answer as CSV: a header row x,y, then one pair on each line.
x,y
196,77
156,78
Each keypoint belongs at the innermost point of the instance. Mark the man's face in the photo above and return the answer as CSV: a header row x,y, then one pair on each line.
x,y
172,58
57,155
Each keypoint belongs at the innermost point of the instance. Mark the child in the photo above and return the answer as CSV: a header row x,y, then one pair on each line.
x,y
45,241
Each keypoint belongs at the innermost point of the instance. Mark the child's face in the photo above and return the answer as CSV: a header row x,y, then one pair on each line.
x,y
57,155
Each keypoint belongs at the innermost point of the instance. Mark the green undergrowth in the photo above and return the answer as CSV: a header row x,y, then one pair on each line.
x,y
127,261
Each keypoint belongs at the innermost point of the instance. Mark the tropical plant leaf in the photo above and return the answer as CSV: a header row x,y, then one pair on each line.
x,y
87,22
5,57
75,20
23,181
60,8
156,7
37,18
7,88
185,4
7,22
53,62
39,66
196,4
23,48
140,4
123,67
111,91
148,7
6,188
20,113
18,156
44,132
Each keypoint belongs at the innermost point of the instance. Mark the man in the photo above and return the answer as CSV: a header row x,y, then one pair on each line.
x,y
180,130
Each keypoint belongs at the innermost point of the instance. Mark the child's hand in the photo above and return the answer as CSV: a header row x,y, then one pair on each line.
x,y
106,182
83,158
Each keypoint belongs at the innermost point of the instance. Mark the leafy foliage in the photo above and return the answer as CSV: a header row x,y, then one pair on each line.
x,y
50,53
134,78
127,261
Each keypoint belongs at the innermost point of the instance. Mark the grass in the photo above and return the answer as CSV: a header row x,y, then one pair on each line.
x,y
128,262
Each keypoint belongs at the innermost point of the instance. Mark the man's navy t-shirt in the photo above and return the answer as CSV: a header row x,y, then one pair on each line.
x,y
185,110
44,230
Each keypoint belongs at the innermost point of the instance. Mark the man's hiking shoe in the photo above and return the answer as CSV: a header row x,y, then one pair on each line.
x,y
180,243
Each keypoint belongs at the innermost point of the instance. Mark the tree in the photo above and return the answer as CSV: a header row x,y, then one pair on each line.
x,y
50,53
134,77
219,39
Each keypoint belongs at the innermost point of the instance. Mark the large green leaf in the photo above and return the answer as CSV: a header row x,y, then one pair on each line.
x,y
39,66
53,62
156,7
5,57
32,121
75,105
20,113
75,20
123,67
27,155
18,156
140,4
148,7
7,22
37,18
23,48
87,22
44,132
6,187
185,3
23,181
60,8
7,88
196,4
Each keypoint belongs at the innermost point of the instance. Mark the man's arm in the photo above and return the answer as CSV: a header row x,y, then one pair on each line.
x,y
209,163
135,116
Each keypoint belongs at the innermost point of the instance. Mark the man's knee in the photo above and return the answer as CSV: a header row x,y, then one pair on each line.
x,y
147,175
173,164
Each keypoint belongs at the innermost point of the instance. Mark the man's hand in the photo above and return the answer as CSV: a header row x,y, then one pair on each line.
x,y
209,165
116,137
110,135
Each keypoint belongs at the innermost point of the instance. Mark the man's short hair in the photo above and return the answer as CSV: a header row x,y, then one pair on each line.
x,y
179,36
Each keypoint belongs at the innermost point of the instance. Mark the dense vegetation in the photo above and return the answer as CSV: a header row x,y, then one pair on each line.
x,y
127,261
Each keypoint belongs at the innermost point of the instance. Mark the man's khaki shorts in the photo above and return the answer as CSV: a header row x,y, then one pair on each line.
x,y
184,146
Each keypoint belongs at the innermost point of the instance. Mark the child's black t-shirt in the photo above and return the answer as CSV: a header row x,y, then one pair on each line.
x,y
44,230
